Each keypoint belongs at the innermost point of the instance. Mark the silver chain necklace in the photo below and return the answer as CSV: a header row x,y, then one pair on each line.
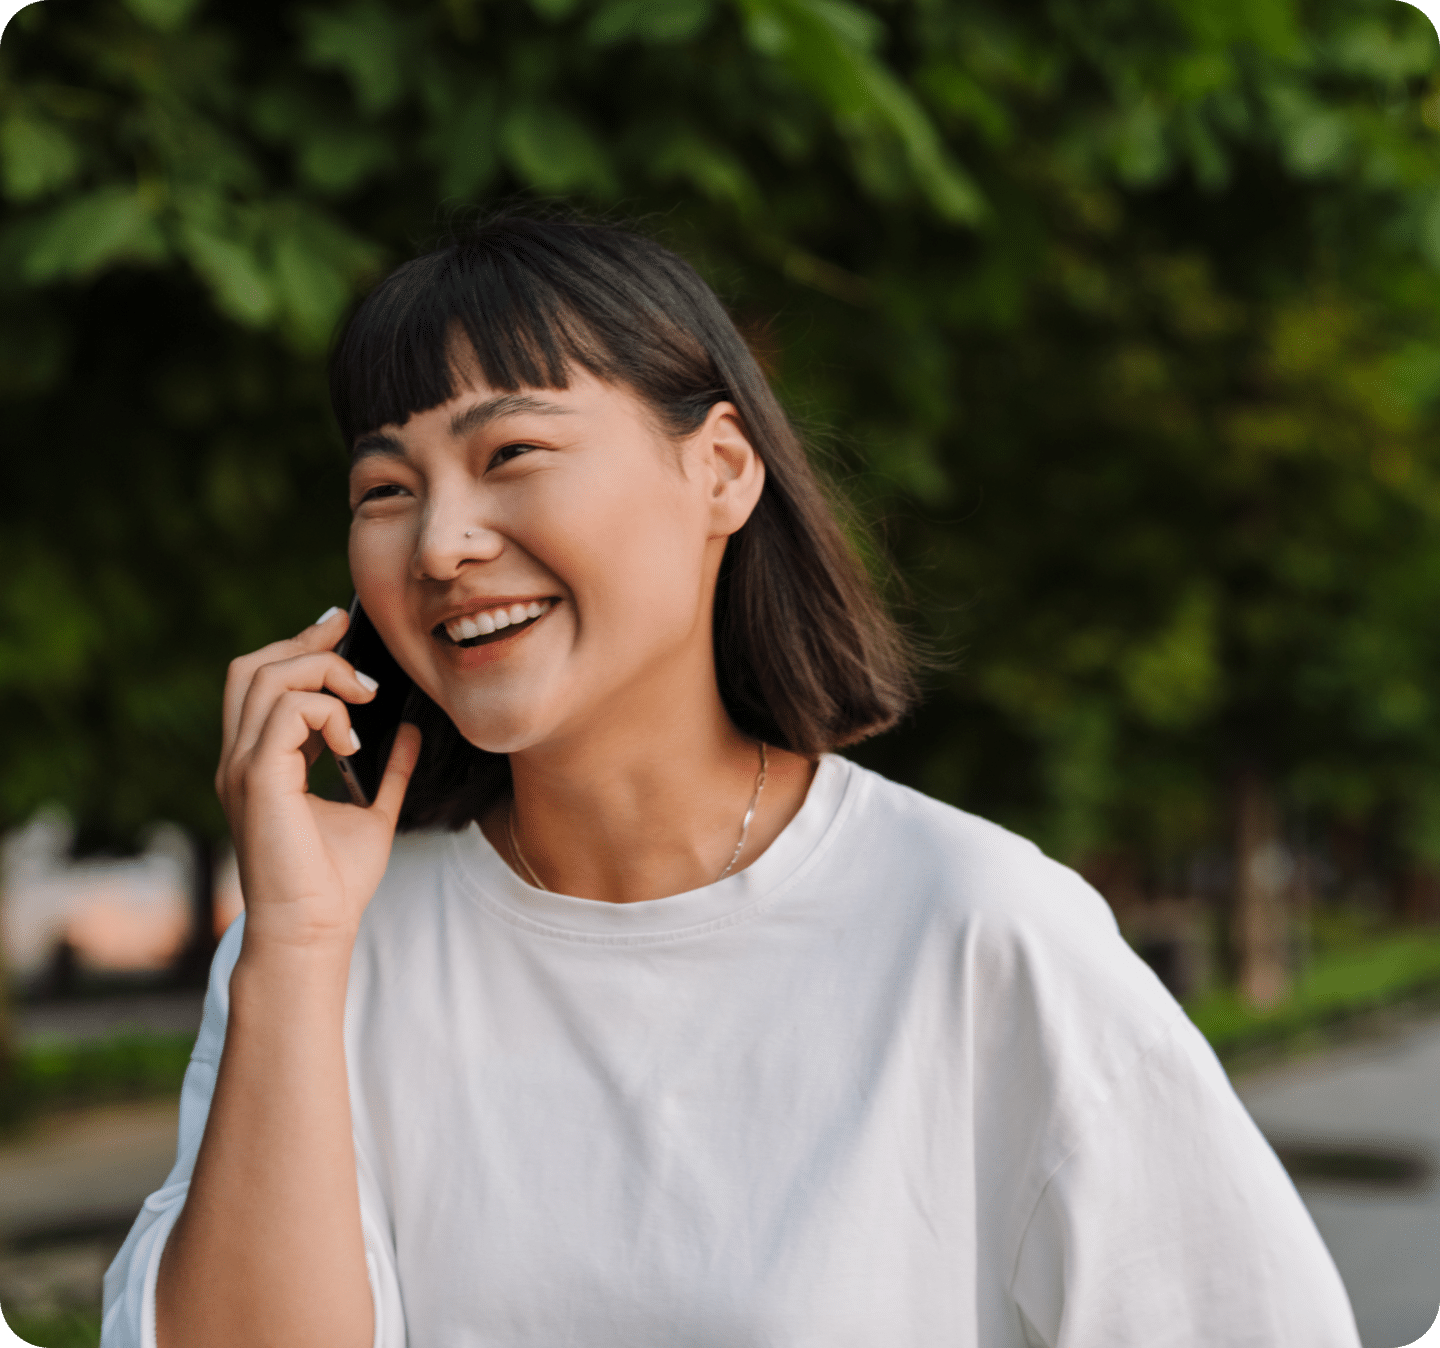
x,y
739,847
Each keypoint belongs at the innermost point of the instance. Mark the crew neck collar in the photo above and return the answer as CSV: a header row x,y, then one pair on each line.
x,y
492,882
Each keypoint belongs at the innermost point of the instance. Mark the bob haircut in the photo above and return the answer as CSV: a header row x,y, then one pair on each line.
x,y
806,655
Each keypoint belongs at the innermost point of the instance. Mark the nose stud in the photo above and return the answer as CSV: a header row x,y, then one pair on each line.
x,y
468,532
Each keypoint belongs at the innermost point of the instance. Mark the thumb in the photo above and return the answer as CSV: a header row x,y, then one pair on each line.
x,y
404,754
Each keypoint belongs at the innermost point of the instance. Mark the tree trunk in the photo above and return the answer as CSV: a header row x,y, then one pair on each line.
x,y
1260,925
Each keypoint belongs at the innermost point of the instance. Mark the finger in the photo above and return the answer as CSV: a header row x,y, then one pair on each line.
x,y
313,748
404,754
293,718
301,673
321,635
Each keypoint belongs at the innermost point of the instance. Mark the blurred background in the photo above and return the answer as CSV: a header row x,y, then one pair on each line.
x,y
1119,321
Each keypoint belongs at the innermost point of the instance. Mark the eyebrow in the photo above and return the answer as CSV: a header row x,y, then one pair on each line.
x,y
463,423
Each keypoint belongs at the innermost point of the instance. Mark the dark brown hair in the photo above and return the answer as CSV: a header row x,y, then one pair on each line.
x,y
806,655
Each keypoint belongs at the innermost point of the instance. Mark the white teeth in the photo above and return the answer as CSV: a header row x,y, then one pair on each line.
x,y
483,624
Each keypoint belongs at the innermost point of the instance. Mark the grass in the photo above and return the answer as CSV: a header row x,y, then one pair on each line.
x,y
54,1074
67,1329
1351,975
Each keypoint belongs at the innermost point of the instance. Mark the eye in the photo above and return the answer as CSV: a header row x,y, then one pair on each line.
x,y
381,492
507,452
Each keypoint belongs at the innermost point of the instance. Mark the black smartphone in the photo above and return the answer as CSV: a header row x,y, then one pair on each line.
x,y
375,721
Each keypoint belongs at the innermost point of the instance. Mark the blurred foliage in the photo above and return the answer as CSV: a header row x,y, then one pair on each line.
x,y
1123,318
61,1074
1398,971
64,1329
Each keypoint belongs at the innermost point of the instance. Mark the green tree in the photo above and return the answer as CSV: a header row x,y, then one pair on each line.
x,y
1121,317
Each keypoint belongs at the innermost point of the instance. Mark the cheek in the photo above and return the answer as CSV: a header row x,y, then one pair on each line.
x,y
639,576
378,568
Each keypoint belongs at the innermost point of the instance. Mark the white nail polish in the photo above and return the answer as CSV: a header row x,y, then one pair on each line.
x,y
366,682
327,615
354,741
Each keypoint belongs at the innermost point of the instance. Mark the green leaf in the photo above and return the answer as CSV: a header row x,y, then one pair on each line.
x,y
722,176
1314,139
549,149
1172,678
650,21
49,631
166,15
313,291
100,229
315,262
554,10
36,157
339,159
365,44
236,277
826,45
463,146
1142,157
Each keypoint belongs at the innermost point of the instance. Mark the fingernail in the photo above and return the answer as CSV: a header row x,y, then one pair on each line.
x,y
354,741
327,615
366,682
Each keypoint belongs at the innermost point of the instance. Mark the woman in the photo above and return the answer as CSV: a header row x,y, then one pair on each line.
x,y
665,1025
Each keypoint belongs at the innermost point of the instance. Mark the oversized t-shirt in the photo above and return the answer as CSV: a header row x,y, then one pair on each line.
x,y
900,1083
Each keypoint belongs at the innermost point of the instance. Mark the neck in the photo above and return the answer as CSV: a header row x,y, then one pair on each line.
x,y
649,807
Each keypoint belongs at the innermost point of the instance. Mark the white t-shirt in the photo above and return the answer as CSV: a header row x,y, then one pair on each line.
x,y
898,1084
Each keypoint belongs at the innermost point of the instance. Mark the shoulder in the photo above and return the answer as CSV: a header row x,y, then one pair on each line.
x,y
1027,926
967,863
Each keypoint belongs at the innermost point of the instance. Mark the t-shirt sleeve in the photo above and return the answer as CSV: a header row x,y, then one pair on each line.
x,y
1172,1224
128,1305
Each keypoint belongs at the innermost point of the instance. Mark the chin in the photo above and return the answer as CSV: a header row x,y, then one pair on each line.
x,y
496,733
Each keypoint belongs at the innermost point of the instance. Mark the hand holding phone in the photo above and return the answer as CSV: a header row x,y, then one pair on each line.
x,y
375,721
308,866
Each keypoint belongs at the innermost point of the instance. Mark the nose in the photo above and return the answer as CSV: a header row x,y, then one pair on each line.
x,y
455,532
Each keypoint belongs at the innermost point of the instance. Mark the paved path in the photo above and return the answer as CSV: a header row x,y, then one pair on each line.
x,y
86,1169
69,1193
154,1013
1382,1096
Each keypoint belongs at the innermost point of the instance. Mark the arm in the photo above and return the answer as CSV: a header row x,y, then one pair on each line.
x,y
268,1247
1172,1224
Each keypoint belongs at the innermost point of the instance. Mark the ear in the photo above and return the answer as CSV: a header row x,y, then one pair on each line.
x,y
730,469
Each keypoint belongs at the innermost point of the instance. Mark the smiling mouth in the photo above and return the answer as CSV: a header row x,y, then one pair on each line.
x,y
490,627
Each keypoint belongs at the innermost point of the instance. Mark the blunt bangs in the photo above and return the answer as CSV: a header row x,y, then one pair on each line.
x,y
532,301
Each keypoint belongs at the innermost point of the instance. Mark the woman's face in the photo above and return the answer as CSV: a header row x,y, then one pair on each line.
x,y
472,518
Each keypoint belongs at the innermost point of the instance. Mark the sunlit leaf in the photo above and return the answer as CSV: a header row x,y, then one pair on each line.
x,y
362,41
165,15
107,227
549,148
554,10
652,21
240,284
36,157
339,160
